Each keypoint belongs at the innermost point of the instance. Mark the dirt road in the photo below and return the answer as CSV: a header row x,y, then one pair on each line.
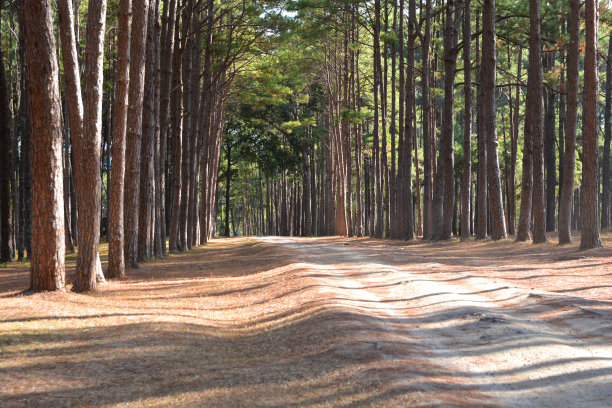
x,y
320,322
484,339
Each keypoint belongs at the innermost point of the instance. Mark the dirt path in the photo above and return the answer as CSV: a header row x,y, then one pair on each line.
x,y
320,322
496,342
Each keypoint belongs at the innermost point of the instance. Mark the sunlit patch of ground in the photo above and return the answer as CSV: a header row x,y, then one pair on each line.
x,y
245,322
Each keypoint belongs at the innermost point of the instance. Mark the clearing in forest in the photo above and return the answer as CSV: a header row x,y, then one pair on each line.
x,y
320,322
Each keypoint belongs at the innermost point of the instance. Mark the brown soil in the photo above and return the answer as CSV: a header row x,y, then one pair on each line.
x,y
320,322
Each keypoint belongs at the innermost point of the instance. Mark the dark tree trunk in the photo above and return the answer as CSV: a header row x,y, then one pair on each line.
x,y
166,52
134,129
48,251
487,77
466,180
606,200
89,183
116,241
147,168
550,160
427,127
590,168
228,182
539,213
176,102
482,200
444,189
567,188
6,223
533,130
514,151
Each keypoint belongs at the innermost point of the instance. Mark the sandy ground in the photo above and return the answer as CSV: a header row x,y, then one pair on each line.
x,y
321,322
499,342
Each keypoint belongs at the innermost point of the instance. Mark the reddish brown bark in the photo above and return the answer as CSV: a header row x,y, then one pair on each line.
x,y
134,129
590,187
48,250
116,258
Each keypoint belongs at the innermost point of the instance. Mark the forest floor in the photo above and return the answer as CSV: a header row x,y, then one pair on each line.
x,y
320,322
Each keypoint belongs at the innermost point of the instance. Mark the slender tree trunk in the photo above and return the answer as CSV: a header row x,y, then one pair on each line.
x,y
89,189
514,152
116,241
6,223
533,129
407,229
466,179
550,159
481,182
487,75
134,129
606,200
147,169
443,198
539,213
228,182
26,148
427,126
47,261
377,224
590,168
167,49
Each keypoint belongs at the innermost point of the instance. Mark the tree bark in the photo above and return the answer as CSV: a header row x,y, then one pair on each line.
x,y
147,169
538,206
533,129
48,251
569,164
89,183
6,222
134,129
443,195
590,187
466,178
177,148
550,160
116,240
487,77
427,138
606,200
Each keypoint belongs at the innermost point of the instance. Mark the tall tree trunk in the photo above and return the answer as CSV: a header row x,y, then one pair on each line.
x,y
487,75
427,127
116,241
444,189
26,148
539,213
482,200
177,126
606,200
89,183
377,224
466,179
147,169
590,168
399,206
134,129
514,151
550,159
167,49
567,188
533,129
48,251
228,182
6,223
407,229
